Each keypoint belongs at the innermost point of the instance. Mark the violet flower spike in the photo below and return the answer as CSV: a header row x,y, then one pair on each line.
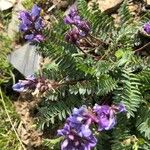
x,y
24,85
81,28
32,24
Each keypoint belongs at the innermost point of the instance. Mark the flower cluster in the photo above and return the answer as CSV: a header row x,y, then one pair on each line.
x,y
147,27
80,27
38,85
77,133
24,85
32,24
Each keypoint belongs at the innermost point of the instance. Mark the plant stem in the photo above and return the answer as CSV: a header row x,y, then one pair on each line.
x,y
139,49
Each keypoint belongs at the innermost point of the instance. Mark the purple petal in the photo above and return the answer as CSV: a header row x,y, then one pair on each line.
x,y
39,24
86,131
31,77
25,17
64,144
147,28
23,27
64,131
38,38
112,123
18,87
121,108
92,140
68,20
35,12
73,11
29,37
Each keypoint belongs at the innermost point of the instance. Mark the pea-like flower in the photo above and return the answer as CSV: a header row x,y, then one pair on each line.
x,y
72,17
147,27
77,133
80,120
24,85
32,24
38,86
74,141
106,115
80,29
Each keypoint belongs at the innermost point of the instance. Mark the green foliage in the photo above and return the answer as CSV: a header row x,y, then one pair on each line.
x,y
129,92
102,24
53,144
143,122
4,65
118,75
28,4
125,15
9,138
51,112
5,17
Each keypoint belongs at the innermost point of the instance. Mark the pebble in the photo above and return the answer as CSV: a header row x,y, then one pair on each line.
x,y
107,6
6,4
25,59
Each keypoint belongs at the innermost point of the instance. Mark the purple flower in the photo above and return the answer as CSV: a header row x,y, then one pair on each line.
x,y
72,16
81,29
38,38
24,85
19,87
32,24
34,38
80,120
147,27
29,37
35,12
73,141
73,36
106,116
24,16
77,133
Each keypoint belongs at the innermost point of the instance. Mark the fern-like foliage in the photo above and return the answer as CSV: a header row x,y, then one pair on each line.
x,y
130,94
51,112
115,74
143,122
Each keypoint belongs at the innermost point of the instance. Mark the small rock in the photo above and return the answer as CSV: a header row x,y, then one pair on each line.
x,y
134,9
107,6
13,26
6,4
147,3
60,3
25,59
